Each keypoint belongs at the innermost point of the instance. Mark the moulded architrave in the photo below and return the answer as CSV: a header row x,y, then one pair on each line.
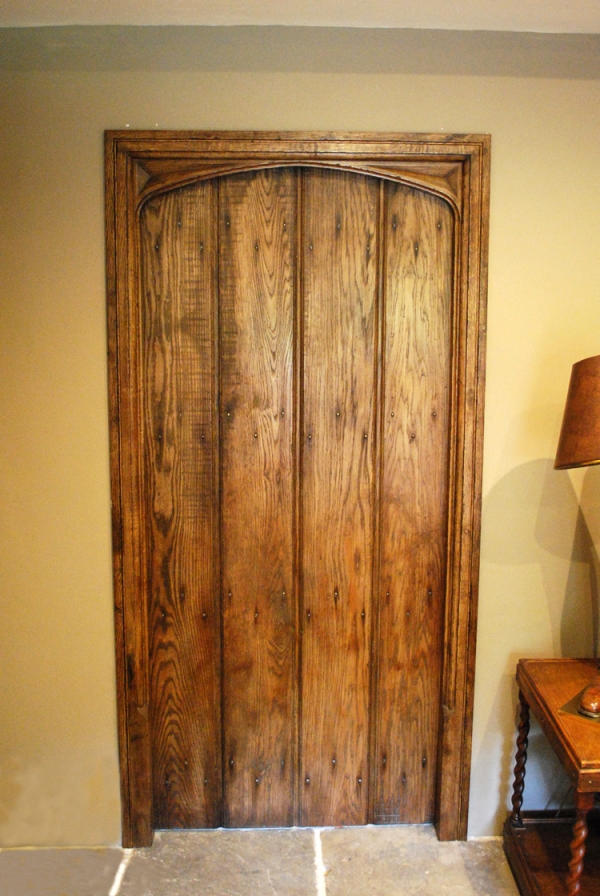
x,y
456,168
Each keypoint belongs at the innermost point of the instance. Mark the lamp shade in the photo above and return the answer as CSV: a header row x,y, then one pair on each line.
x,y
579,443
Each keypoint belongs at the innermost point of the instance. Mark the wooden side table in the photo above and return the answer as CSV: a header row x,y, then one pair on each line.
x,y
546,853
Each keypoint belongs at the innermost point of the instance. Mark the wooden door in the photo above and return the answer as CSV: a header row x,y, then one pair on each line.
x,y
296,347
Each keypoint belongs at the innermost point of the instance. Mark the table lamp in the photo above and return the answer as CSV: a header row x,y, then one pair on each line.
x,y
579,446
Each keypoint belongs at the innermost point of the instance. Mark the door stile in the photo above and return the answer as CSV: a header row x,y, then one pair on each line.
x,y
448,776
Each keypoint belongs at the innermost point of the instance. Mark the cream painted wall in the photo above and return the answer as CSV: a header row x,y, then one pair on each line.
x,y
58,749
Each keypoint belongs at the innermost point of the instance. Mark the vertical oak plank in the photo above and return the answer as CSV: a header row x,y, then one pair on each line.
x,y
340,286
414,500
256,285
178,284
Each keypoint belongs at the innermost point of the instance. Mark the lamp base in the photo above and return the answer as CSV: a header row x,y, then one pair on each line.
x,y
589,705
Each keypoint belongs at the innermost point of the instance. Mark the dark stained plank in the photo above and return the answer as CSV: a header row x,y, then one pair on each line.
x,y
178,274
256,282
414,500
340,286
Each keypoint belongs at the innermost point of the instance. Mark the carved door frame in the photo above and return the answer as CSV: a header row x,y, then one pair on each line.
x,y
456,168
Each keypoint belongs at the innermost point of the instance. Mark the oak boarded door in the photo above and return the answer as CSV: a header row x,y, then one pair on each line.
x,y
296,348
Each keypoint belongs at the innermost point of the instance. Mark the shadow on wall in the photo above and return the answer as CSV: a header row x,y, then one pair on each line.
x,y
589,504
533,516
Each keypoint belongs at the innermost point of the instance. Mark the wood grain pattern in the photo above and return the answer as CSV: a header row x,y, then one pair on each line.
x,y
414,501
464,516
256,283
340,287
158,657
178,260
129,551
349,279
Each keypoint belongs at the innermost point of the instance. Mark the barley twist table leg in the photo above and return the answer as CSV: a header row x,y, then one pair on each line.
x,y
520,760
584,802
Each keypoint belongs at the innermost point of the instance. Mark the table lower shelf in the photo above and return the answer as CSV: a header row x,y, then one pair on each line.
x,y
539,854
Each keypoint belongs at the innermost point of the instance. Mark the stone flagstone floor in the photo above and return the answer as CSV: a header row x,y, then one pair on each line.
x,y
400,860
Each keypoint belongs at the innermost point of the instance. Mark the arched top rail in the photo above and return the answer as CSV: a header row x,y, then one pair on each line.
x,y
445,182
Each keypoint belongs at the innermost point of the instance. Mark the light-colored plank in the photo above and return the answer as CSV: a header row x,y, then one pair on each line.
x,y
256,281
340,285
414,500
